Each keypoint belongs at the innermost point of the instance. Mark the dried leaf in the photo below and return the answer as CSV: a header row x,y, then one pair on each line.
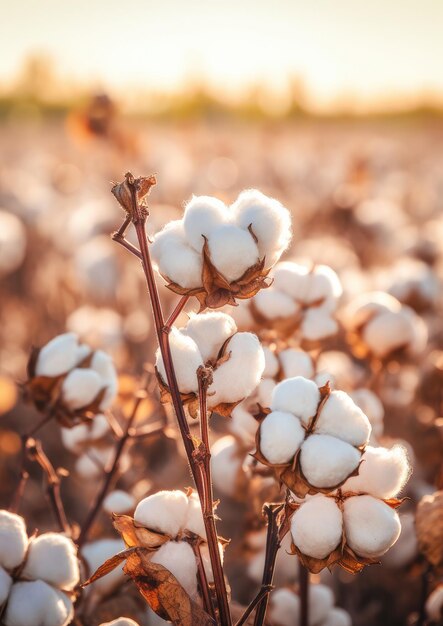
x,y
134,535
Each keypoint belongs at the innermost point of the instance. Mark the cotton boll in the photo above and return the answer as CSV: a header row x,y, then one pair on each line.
x,y
284,608
97,268
291,279
5,585
121,621
210,331
387,332
164,511
337,617
194,517
73,438
270,222
58,356
434,605
272,365
317,527
297,395
382,473
13,540
323,284
274,304
36,602
342,418
317,324
226,464
204,551
265,390
237,377
243,424
91,464
372,407
181,264
172,233
232,251
327,461
118,501
95,554
321,602
281,435
203,214
367,306
80,388
179,559
187,359
371,526
12,242
103,364
53,558
296,362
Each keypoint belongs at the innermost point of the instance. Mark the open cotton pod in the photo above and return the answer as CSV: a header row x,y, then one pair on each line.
x,y
52,558
13,540
75,381
36,602
211,339
219,253
285,606
313,438
95,554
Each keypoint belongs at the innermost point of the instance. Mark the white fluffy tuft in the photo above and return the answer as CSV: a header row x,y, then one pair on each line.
x,y
226,464
272,365
296,362
342,418
13,539
242,424
5,585
187,359
318,324
80,388
194,517
164,511
281,435
95,554
274,304
297,395
52,557
179,559
203,214
387,332
120,621
180,264
58,356
232,251
327,461
317,527
284,608
35,602
210,331
118,501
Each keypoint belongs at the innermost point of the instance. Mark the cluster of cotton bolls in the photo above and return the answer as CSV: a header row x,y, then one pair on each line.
x,y
360,516
87,376
37,575
285,608
381,325
301,298
328,433
179,516
12,243
212,339
253,228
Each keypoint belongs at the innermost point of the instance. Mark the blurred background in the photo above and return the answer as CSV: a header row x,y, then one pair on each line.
x,y
333,107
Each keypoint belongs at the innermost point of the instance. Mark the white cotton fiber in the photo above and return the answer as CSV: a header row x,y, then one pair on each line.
x,y
118,501
226,464
194,517
317,527
58,356
243,424
172,234
296,362
103,364
210,331
383,472
434,605
52,557
178,558
368,305
291,279
92,462
97,428
321,601
164,511
272,364
337,617
181,264
387,332
327,461
241,313
204,551
232,251
37,603
270,222
202,216
323,284
80,388
12,242
297,395
187,359
318,324
284,608
372,407
342,418
274,304
5,585
237,377
265,390
281,435
121,621
95,554
13,539
371,526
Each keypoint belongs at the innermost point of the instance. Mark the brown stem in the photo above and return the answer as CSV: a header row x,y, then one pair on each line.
x,y
275,534
264,591
35,451
110,473
204,459
176,312
126,244
203,581
424,593
18,494
304,594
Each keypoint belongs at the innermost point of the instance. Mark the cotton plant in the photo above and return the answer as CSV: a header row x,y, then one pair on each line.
x,y
219,253
70,380
285,608
38,575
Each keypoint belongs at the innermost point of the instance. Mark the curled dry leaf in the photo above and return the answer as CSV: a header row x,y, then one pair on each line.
x,y
158,586
429,525
140,187
216,291
134,535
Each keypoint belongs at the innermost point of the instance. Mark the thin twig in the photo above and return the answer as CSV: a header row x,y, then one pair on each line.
x,y
127,244
176,312
203,581
304,594
264,591
18,494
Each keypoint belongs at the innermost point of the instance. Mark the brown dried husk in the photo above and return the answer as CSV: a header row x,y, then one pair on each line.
x,y
429,526
216,291
45,393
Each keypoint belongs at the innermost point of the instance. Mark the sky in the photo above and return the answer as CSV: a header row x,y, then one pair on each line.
x,y
361,51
